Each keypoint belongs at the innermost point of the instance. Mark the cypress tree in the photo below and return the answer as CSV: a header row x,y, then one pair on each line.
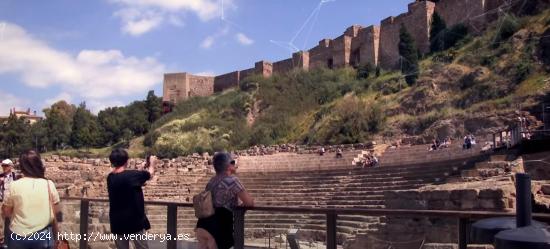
x,y
408,56
437,33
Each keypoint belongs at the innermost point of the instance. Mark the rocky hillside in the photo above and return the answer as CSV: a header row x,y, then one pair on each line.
x,y
481,84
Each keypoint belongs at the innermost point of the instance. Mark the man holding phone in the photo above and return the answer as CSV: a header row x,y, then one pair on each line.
x,y
126,201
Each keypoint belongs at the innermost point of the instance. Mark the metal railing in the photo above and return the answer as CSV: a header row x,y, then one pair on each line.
x,y
463,218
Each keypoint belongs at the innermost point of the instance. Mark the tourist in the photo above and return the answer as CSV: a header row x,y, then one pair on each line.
x,y
433,146
29,206
126,202
216,231
6,178
467,142
339,153
322,151
374,160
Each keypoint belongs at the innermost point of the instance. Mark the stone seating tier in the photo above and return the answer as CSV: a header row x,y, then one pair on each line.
x,y
303,180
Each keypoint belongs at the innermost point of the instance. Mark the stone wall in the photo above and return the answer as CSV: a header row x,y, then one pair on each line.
x,y
226,81
247,73
283,66
301,60
341,51
200,85
489,195
181,86
175,87
466,11
416,21
368,44
264,68
321,55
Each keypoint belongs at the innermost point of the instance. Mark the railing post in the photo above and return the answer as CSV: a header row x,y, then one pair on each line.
x,y
331,230
84,211
172,225
238,234
462,233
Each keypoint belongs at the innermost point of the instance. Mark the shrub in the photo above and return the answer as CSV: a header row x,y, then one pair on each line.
x,y
364,71
522,70
455,34
351,120
150,138
509,25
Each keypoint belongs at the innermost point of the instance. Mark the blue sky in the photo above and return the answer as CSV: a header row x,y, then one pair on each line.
x,y
111,52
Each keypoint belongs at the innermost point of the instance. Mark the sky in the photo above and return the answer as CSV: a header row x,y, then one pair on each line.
x,y
112,52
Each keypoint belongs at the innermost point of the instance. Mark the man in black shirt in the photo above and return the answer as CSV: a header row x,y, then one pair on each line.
x,y
126,202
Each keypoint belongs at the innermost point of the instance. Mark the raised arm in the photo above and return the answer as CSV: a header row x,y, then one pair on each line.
x,y
153,160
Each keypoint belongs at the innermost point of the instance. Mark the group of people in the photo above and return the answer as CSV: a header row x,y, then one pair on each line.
x,y
339,152
30,203
368,160
437,144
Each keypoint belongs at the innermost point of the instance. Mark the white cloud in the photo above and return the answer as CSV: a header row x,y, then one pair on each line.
x,y
207,42
141,16
243,39
9,101
136,22
62,96
92,74
96,106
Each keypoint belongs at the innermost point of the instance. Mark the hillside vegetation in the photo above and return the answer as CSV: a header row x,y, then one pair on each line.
x,y
477,85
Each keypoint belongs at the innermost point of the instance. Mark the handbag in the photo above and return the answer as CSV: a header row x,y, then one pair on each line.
x,y
204,204
58,244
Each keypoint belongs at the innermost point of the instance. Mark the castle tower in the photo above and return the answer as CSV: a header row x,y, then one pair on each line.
x,y
417,21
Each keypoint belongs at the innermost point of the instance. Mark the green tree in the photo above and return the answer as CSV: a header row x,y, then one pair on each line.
x,y
112,122
86,130
39,136
408,56
154,107
137,118
437,33
58,124
14,137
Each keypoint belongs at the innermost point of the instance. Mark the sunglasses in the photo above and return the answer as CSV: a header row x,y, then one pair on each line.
x,y
232,162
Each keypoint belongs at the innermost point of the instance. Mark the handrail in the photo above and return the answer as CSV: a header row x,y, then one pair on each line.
x,y
463,218
348,211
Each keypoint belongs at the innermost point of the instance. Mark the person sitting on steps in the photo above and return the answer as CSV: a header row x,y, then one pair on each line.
x,y
339,153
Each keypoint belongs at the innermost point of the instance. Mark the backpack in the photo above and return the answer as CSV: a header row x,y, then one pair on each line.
x,y
203,202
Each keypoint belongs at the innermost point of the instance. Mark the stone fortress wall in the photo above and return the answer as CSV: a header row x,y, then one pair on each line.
x,y
358,45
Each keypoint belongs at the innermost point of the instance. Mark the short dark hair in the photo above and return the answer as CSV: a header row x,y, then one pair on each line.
x,y
221,161
31,164
118,157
